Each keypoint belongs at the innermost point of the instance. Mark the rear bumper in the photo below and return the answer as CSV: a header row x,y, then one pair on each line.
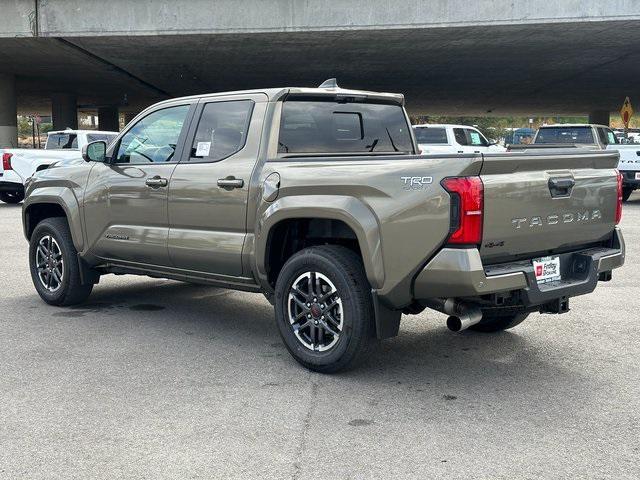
x,y
11,187
460,273
629,178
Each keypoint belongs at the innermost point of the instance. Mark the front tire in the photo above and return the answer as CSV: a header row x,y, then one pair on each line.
x,y
54,265
11,197
324,310
497,322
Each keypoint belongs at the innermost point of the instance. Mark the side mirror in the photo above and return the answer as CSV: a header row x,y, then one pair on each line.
x,y
94,151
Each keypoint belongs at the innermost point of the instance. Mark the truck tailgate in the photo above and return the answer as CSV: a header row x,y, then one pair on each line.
x,y
537,203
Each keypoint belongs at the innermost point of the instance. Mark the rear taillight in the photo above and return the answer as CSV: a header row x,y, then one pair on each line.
x,y
467,202
6,161
619,204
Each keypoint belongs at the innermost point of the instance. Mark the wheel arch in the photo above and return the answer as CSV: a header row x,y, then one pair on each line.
x,y
329,220
58,203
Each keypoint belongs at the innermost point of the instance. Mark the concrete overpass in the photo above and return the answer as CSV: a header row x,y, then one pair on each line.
x,y
483,57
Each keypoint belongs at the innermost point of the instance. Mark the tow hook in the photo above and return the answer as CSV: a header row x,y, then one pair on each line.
x,y
461,315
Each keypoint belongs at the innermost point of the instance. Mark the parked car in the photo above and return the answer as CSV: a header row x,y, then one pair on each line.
x,y
18,164
519,136
602,138
317,198
447,138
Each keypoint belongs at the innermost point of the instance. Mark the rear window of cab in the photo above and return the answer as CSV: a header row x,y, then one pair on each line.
x,y
316,127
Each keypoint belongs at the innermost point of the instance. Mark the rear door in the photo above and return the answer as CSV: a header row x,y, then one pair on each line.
x,y
210,186
540,203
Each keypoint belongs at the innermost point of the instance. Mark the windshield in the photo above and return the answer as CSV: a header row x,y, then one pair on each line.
x,y
312,126
565,135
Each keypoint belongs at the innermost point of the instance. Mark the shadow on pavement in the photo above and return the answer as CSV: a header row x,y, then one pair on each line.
x,y
425,353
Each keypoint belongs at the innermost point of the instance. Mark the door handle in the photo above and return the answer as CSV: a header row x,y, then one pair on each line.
x,y
230,183
156,182
561,187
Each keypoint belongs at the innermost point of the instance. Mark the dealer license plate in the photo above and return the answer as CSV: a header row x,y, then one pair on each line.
x,y
547,269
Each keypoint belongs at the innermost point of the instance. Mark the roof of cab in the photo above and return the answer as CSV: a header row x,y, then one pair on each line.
x,y
275,94
573,125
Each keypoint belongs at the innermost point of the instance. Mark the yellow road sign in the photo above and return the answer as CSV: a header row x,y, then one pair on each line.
x,y
626,112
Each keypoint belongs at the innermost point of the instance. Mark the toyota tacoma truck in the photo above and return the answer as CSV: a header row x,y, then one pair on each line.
x,y
600,137
18,164
317,198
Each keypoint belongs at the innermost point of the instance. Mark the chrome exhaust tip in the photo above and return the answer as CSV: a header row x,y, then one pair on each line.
x,y
462,315
464,321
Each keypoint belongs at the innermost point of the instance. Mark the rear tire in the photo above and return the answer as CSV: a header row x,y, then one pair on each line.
x,y
496,322
626,193
11,197
325,332
53,262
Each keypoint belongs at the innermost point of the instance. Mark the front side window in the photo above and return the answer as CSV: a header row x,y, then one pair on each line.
x,y
550,135
475,138
62,141
431,135
222,130
313,126
154,138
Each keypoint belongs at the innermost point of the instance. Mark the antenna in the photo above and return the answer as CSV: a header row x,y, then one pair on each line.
x,y
331,83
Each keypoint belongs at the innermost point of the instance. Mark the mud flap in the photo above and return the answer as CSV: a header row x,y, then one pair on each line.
x,y
87,275
387,320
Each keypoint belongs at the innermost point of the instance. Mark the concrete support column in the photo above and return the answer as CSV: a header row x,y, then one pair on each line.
x,y
601,117
64,111
8,112
108,119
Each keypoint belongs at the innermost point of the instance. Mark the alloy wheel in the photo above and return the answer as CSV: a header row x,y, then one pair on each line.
x,y
49,263
315,311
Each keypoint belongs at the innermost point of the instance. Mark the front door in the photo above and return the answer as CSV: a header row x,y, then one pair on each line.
x,y
210,186
126,198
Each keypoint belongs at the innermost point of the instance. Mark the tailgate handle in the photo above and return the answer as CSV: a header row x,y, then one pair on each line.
x,y
561,187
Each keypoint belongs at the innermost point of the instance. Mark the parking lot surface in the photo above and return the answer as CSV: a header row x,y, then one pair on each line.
x,y
161,379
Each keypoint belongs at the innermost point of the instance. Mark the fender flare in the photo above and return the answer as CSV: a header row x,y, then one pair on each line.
x,y
349,210
63,197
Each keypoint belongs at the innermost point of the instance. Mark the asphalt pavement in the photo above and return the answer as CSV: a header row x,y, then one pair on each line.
x,y
161,379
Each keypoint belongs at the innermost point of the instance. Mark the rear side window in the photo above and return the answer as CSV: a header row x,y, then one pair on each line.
x,y
431,135
94,137
565,135
222,130
62,141
311,126
607,137
460,136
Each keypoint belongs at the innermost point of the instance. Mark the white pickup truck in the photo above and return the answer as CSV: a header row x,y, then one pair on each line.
x,y
18,164
447,138
603,138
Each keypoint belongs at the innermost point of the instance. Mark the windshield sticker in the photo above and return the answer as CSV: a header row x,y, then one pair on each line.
x,y
202,149
475,138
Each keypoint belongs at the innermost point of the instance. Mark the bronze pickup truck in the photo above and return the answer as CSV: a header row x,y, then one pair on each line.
x,y
319,199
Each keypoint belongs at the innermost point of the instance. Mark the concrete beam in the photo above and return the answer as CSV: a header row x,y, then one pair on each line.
x,y
154,17
64,111
108,119
601,117
18,18
8,111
